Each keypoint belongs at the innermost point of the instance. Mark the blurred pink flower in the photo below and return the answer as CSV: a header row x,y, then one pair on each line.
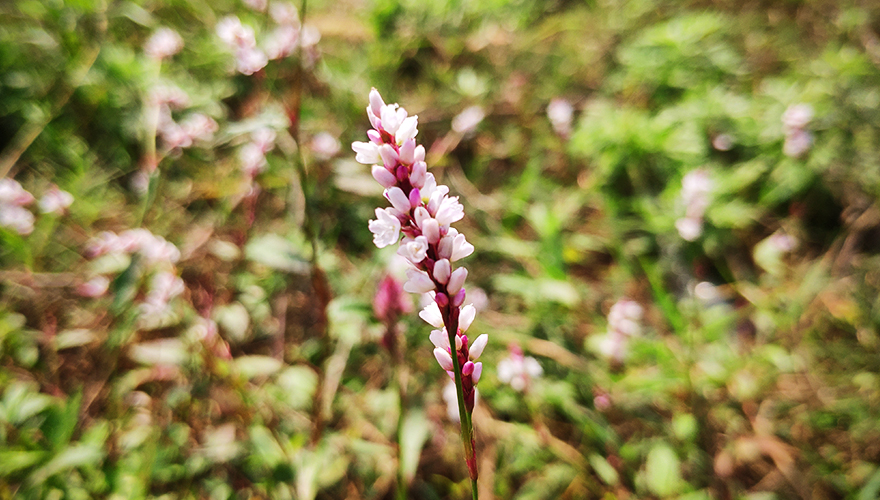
x,y
518,370
165,42
55,201
95,287
560,112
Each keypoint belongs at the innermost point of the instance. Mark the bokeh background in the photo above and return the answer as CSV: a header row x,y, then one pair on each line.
x,y
673,204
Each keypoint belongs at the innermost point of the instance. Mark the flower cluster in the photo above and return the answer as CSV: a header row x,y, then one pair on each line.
x,y
423,211
794,122
695,189
253,153
158,256
163,43
13,199
287,35
518,370
623,323
193,128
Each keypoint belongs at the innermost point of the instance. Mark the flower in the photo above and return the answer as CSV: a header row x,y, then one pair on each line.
x,y
696,186
55,201
623,323
165,42
560,113
422,211
518,370
467,121
798,140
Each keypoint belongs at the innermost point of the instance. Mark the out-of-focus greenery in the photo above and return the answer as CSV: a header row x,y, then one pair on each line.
x,y
756,374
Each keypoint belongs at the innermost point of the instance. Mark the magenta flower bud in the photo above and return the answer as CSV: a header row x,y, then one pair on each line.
x,y
419,174
415,200
401,173
456,280
458,300
407,151
467,369
442,271
383,176
441,299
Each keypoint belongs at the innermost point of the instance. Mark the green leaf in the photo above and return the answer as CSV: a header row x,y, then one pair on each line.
x,y
413,433
663,471
13,461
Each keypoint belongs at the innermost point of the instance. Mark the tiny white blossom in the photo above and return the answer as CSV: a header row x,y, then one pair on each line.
x,y
385,228
55,201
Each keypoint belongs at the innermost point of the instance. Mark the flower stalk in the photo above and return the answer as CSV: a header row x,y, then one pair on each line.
x,y
422,211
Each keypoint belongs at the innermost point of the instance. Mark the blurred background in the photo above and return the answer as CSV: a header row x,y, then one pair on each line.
x,y
673,204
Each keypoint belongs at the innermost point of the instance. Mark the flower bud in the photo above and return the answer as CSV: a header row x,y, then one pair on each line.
x,y
419,174
383,176
431,230
458,299
467,369
442,271
477,347
456,280
443,359
415,200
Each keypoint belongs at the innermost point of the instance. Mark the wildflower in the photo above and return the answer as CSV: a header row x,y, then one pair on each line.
x,y
325,146
11,193
560,113
695,189
798,140
95,287
467,120
422,211
199,127
55,201
281,42
284,13
165,42
17,218
518,370
13,215
623,324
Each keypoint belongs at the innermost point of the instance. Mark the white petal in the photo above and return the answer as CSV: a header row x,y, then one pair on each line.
x,y
443,358
477,347
418,282
431,315
466,317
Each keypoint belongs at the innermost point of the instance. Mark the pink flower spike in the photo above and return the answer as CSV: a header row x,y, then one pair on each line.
x,y
383,176
418,282
477,347
443,358
442,271
467,368
456,280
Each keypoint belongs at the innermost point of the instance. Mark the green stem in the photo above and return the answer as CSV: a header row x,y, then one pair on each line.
x,y
467,431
